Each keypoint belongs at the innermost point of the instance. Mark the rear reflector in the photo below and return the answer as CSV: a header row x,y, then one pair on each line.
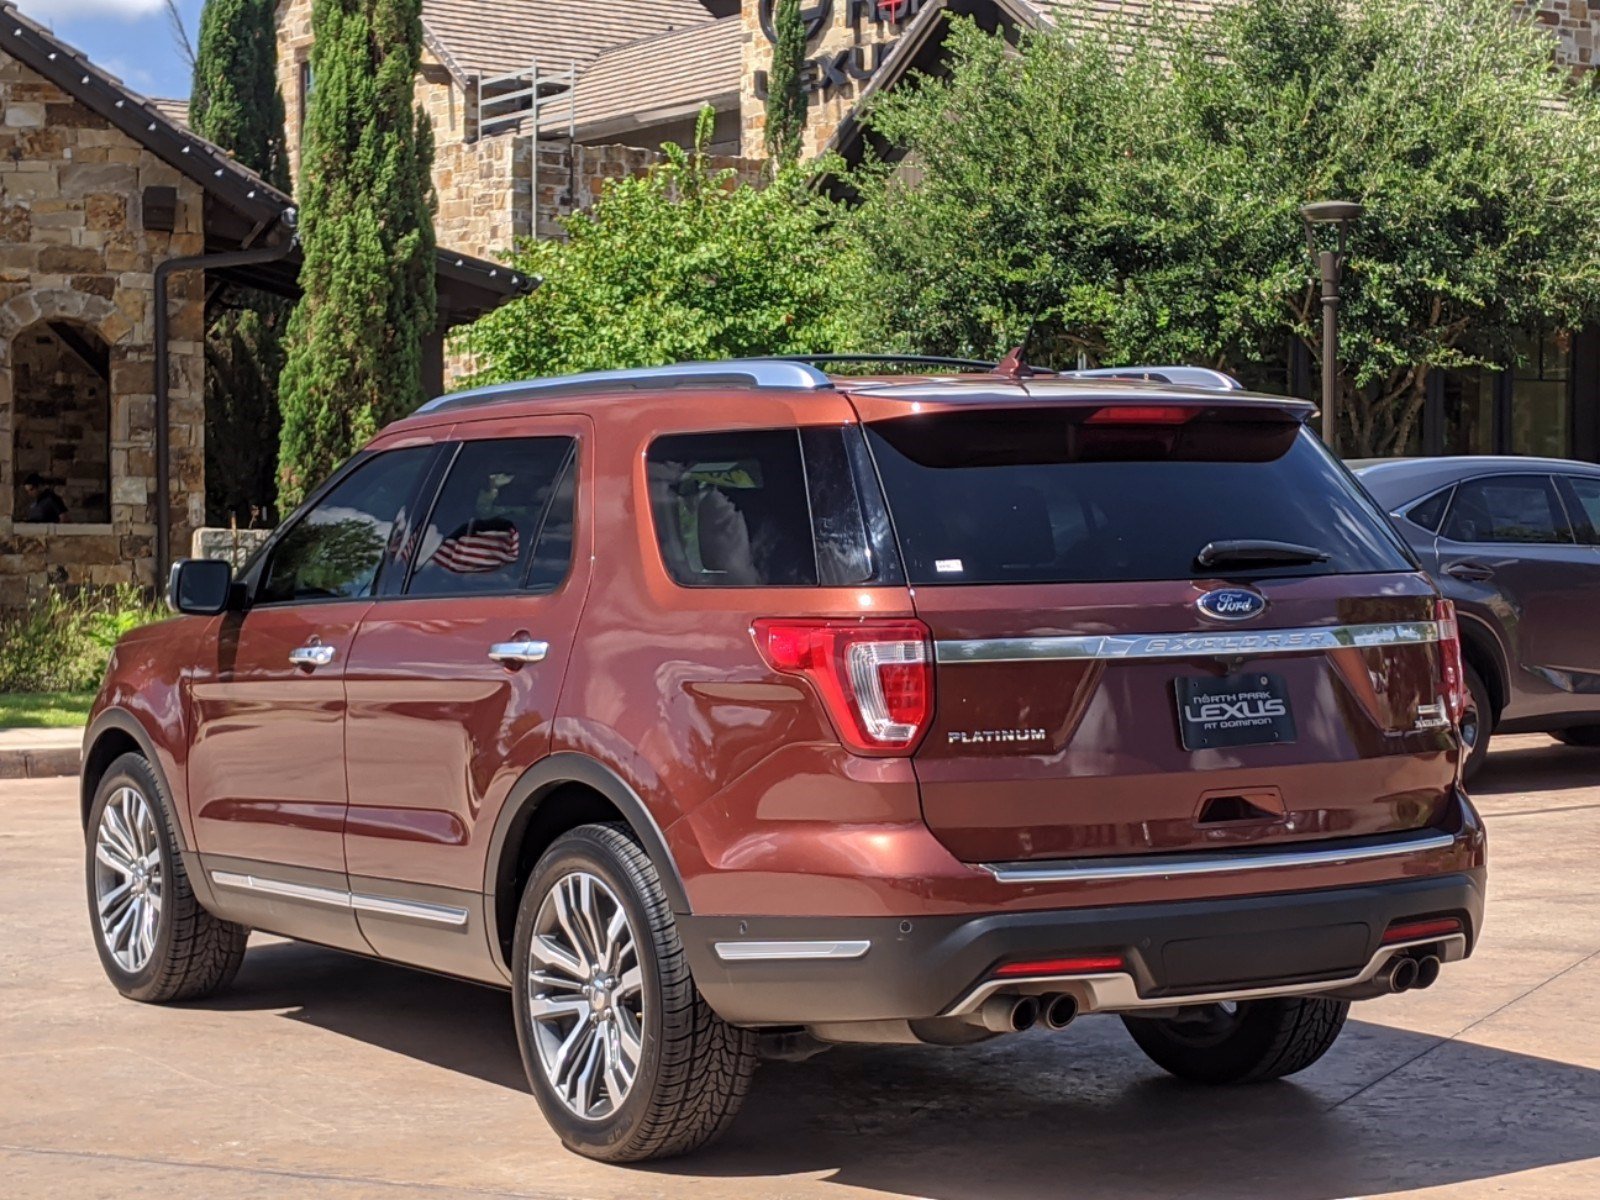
x,y
875,677
1452,675
1411,931
1143,414
1087,965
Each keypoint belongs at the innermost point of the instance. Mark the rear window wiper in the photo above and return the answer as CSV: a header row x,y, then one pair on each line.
x,y
1252,552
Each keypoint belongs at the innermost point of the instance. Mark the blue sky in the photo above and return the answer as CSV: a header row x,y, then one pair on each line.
x,y
132,39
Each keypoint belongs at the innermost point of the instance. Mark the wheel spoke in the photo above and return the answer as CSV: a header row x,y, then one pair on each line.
x,y
110,855
111,902
569,925
549,953
631,982
589,1078
588,922
116,832
127,879
619,1076
628,1040
545,1008
544,979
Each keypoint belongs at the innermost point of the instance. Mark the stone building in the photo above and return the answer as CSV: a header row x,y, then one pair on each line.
x,y
100,192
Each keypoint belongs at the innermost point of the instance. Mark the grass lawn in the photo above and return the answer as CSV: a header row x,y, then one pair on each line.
x,y
44,710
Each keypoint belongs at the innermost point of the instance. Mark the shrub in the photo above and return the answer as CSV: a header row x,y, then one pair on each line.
x,y
62,644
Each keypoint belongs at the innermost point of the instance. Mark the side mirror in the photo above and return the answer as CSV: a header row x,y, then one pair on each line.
x,y
200,586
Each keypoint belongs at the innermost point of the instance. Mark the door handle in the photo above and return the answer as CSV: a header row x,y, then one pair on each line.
x,y
1469,570
312,655
510,653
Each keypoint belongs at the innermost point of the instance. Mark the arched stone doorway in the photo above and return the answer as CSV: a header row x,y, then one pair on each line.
x,y
61,418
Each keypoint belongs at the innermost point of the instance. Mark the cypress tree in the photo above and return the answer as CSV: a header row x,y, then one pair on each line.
x,y
366,224
786,102
235,102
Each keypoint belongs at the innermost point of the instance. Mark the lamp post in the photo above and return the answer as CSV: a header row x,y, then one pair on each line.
x,y
1330,264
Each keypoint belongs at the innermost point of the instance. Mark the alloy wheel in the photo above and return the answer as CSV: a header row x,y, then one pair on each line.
x,y
127,879
586,995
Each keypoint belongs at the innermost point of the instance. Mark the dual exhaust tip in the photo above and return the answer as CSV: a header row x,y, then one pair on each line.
x,y
1015,1014
1404,974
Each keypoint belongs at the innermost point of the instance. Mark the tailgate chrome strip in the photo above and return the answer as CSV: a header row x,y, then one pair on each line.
x,y
1102,870
1250,644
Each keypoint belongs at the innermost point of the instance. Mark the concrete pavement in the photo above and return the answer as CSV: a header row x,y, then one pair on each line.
x,y
321,1075
40,753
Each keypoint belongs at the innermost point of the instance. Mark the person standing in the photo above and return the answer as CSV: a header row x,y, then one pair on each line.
x,y
45,507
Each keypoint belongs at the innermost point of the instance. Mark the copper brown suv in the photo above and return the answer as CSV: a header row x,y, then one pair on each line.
x,y
721,708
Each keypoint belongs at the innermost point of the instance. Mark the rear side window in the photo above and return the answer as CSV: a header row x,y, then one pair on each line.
x,y
1428,513
1052,496
768,508
496,520
335,551
1507,508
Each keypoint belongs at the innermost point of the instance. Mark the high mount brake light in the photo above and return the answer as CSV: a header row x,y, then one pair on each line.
x,y
1452,673
1143,414
875,677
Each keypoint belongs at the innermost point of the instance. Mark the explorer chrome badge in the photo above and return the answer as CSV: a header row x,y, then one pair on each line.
x,y
1231,604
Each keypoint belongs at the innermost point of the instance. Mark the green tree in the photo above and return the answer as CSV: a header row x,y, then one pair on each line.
x,y
683,263
366,223
235,102
1138,201
786,101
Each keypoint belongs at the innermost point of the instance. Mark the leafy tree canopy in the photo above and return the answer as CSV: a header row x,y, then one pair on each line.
x,y
1137,199
681,263
235,100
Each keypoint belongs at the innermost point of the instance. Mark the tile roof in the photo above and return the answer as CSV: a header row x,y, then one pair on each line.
x,y
657,79
492,37
176,111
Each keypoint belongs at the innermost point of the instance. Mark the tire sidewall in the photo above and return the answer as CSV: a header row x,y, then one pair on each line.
x,y
1484,712
133,772
581,850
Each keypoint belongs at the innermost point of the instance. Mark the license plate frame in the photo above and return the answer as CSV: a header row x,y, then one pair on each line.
x,y
1248,709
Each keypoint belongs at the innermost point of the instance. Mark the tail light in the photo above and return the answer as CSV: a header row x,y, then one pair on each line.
x,y
1143,414
1412,931
875,676
1452,674
1090,964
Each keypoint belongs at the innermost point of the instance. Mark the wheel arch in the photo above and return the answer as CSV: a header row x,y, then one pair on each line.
x,y
1482,652
566,789
116,732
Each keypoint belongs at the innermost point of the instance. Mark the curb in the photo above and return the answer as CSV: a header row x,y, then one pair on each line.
x,y
40,764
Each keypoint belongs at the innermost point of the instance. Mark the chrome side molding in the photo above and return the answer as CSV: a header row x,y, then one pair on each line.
x,y
1243,644
412,910
788,950
1178,866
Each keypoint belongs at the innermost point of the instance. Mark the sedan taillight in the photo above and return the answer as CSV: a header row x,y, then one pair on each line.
x,y
875,677
1452,674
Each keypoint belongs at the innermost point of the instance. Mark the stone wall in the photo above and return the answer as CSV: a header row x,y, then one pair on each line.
x,y
73,250
841,58
1576,25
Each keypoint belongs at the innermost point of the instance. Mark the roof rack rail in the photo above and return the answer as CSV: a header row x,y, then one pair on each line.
x,y
1194,377
971,364
747,372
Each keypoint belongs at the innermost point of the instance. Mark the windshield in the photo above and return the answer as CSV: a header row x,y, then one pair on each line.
x,y
1053,496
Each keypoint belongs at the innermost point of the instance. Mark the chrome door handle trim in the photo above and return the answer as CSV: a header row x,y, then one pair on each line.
x,y
314,655
519,652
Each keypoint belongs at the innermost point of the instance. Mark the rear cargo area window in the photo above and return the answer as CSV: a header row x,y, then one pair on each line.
x,y
1053,496
769,508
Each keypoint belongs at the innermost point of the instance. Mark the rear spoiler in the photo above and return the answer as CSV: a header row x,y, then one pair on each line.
x,y
1192,377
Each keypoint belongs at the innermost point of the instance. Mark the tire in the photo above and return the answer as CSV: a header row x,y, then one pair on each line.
x,y
156,943
1477,725
691,1070
1579,735
1250,1042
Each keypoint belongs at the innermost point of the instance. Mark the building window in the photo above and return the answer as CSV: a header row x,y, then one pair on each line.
x,y
1541,396
61,380
307,85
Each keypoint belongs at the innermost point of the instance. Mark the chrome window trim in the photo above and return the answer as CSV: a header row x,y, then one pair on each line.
x,y
413,910
1104,870
1150,646
789,950
1118,992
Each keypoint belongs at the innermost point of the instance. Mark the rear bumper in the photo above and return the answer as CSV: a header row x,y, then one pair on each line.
x,y
804,971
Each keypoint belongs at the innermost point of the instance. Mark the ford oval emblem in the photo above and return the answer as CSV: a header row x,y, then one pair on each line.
x,y
1231,604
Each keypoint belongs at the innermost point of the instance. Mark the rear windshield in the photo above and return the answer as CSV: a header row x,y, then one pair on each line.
x,y
1049,496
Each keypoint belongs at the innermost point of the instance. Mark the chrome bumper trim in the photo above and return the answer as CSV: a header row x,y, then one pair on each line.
x,y
781,951
1251,644
412,910
1102,870
1117,992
